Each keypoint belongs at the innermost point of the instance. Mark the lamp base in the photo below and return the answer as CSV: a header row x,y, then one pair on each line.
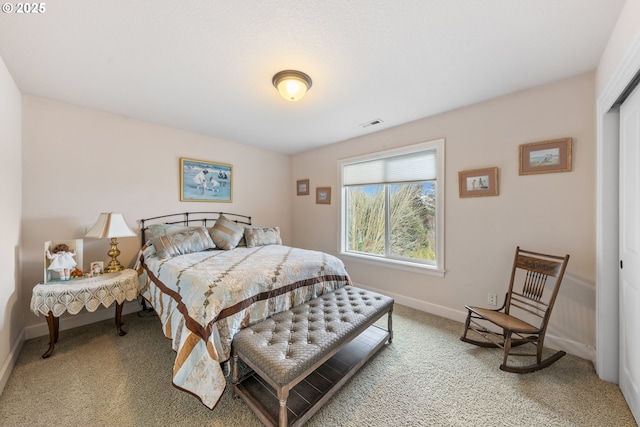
x,y
114,265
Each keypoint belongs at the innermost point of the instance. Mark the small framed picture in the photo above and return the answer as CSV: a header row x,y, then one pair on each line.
x,y
97,268
545,156
478,182
302,187
323,195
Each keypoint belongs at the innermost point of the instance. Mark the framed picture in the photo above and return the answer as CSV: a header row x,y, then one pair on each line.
x,y
546,156
97,268
302,187
323,195
202,181
478,182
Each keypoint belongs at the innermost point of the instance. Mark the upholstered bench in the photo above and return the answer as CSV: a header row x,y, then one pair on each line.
x,y
304,355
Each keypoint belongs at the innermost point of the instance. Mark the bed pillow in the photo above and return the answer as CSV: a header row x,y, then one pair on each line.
x,y
182,243
243,242
225,233
262,236
158,230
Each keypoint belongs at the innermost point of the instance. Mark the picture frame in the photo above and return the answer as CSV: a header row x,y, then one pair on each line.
x,y
478,182
545,157
97,268
205,181
323,195
302,187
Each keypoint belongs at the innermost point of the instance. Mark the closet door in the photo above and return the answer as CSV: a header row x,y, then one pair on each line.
x,y
630,251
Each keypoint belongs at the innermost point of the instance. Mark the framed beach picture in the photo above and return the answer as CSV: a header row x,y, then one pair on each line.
x,y
302,187
323,195
478,182
203,181
545,156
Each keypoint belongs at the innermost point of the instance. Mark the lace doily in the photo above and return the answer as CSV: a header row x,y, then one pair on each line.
x,y
89,293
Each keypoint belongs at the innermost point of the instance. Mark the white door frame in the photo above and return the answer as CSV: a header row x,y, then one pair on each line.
x,y
607,228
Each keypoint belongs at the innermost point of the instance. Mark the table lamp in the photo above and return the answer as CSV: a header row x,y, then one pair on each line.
x,y
111,225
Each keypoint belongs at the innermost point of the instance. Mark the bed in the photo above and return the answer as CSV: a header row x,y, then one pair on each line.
x,y
207,275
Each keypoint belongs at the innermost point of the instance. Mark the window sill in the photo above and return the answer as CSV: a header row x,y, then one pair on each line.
x,y
392,263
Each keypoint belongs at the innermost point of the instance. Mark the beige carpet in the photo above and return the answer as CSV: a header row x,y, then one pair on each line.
x,y
427,377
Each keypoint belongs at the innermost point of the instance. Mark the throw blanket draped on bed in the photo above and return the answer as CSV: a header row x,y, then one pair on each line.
x,y
203,299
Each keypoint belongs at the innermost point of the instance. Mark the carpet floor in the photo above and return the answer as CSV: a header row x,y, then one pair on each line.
x,y
426,377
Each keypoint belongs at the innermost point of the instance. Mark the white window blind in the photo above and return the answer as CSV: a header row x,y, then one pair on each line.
x,y
411,167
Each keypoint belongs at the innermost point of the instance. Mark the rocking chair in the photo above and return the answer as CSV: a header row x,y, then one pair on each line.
x,y
524,316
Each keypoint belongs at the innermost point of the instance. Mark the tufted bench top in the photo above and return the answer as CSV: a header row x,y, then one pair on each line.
x,y
287,344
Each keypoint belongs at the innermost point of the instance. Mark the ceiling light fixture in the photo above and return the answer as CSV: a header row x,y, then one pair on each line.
x,y
292,84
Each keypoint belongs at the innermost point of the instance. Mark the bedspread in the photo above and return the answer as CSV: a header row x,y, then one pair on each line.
x,y
203,299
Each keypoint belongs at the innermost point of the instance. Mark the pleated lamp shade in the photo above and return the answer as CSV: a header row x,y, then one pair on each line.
x,y
111,225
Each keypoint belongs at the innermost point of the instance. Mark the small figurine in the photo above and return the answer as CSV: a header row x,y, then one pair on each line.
x,y
76,272
61,260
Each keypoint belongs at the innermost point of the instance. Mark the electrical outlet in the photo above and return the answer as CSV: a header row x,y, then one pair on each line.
x,y
492,299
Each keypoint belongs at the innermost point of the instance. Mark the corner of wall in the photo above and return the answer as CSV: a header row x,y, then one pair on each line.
x,y
11,315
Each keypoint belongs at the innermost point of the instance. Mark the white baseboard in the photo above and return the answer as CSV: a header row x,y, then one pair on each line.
x,y
571,347
11,361
428,307
84,318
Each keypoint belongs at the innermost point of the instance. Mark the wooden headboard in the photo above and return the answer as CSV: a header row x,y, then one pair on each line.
x,y
206,219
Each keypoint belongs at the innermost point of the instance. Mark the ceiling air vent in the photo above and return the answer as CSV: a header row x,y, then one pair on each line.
x,y
371,123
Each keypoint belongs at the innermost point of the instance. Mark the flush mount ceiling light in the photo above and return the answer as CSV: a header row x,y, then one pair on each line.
x,y
292,84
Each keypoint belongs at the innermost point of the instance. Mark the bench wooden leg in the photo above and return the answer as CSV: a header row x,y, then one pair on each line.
x,y
390,325
234,374
283,395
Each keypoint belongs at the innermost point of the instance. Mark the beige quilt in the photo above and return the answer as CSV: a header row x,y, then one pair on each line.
x,y
203,299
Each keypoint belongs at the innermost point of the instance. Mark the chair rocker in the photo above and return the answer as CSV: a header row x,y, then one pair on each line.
x,y
524,316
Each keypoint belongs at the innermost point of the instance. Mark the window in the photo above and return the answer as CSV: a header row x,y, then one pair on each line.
x,y
391,206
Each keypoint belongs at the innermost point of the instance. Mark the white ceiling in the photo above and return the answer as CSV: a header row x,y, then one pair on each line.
x,y
206,65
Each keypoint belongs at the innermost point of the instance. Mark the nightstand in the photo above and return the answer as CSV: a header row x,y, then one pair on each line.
x,y
55,298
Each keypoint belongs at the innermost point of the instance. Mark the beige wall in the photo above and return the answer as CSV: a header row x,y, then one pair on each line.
x,y
80,162
11,313
626,31
549,213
